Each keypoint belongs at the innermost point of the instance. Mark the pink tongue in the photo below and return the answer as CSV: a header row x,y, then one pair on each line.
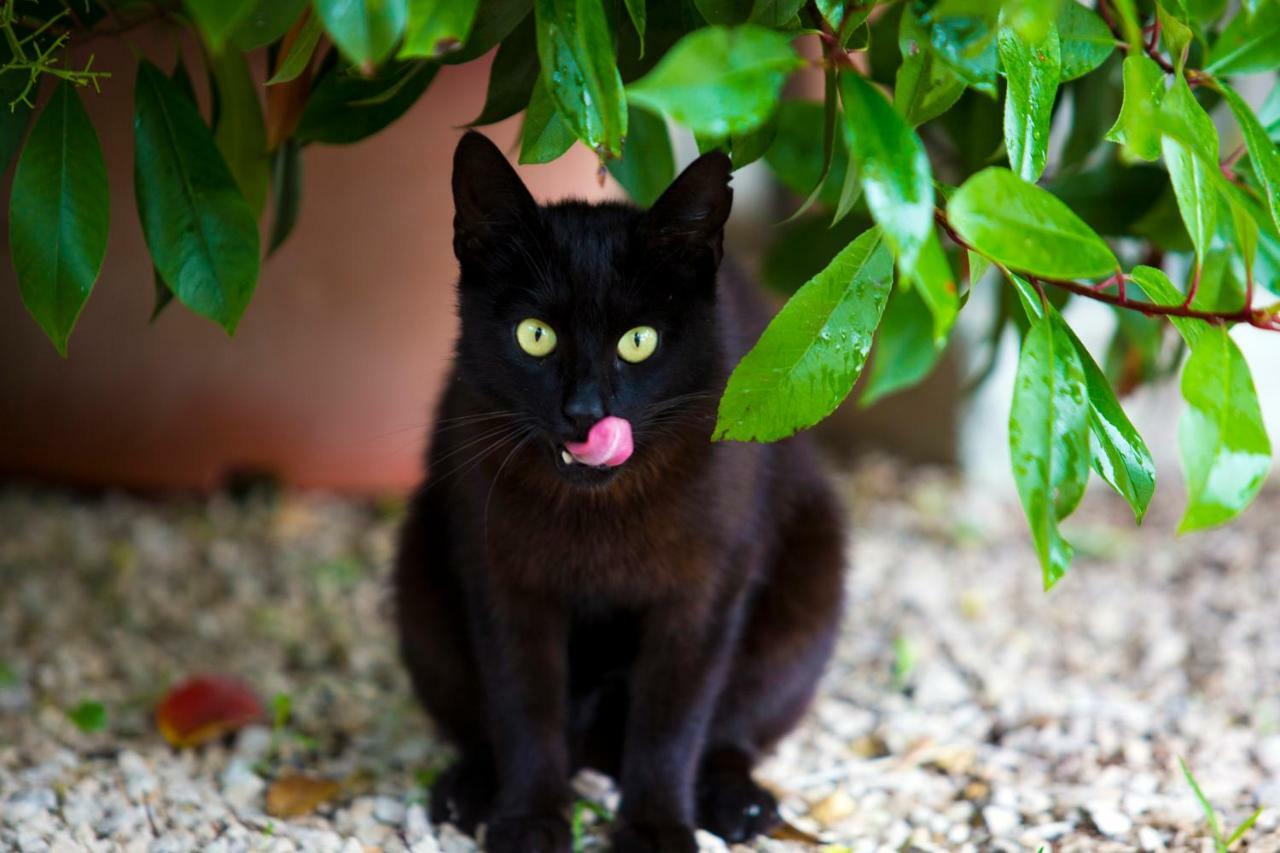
x,y
608,443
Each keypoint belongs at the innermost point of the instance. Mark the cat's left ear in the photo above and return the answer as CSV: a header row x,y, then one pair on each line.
x,y
691,213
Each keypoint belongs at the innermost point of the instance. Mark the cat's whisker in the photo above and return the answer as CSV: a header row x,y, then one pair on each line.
x,y
528,434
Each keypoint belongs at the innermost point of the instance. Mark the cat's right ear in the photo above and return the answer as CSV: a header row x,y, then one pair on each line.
x,y
488,196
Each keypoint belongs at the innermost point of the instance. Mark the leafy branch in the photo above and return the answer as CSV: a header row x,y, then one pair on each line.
x,y
36,59
1267,319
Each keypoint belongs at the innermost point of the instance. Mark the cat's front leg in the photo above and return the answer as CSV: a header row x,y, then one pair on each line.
x,y
522,645
678,675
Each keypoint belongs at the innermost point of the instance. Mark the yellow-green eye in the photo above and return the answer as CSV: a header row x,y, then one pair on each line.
x,y
535,337
638,344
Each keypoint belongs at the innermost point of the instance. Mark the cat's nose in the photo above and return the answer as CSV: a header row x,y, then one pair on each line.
x,y
582,410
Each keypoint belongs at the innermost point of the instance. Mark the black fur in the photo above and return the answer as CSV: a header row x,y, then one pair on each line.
x,y
664,621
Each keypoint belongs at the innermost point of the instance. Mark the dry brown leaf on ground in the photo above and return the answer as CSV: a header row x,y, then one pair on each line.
x,y
295,796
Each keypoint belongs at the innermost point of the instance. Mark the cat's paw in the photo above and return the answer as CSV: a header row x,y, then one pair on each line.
x,y
735,808
463,795
528,835
653,838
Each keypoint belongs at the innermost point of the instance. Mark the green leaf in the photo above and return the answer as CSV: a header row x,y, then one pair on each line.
x,y
638,13
967,44
241,134
545,135
1027,228
58,215
1156,285
905,351
218,18
1032,70
1245,827
286,189
1049,438
1221,438
1174,33
742,148
718,81
1136,129
892,166
437,27
1190,147
810,355
515,70
266,21
1117,451
498,19
201,233
724,12
1205,806
775,13
925,86
1085,40
937,285
647,166
1248,46
1263,155
365,31
580,72
300,52
346,108
1030,19
89,716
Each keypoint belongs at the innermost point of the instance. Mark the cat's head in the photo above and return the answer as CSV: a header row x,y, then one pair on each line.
x,y
588,321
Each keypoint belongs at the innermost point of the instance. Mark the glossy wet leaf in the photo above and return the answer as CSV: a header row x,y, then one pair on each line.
x,y
59,209
581,73
719,81
638,13
810,355
1161,291
1027,228
1189,143
905,352
893,167
1049,438
437,27
365,31
925,87
967,44
298,57
1136,128
1225,452
205,707
1248,45
1263,156
544,135
202,235
514,71
1085,40
936,281
345,107
241,134
647,165
724,12
266,21
1117,451
217,19
1032,70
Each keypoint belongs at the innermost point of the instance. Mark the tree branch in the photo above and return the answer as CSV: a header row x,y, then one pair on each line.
x,y
1266,319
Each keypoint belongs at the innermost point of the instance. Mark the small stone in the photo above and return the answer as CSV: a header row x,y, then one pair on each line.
x,y
241,787
253,743
833,808
24,806
389,811
416,825
1110,821
1001,822
1150,839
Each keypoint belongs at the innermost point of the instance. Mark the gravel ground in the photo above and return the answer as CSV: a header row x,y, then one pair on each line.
x,y
967,710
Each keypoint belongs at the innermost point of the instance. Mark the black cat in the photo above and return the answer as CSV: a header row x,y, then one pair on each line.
x,y
585,579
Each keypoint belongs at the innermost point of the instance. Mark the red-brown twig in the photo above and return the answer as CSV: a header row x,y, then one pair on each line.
x,y
1265,319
